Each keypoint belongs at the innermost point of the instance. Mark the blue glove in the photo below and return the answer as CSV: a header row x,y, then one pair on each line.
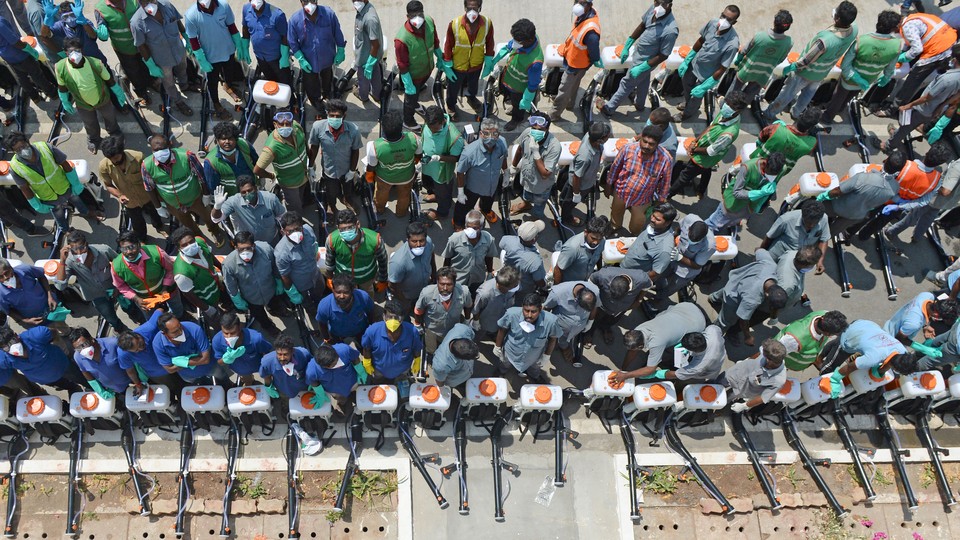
x,y
682,70
702,88
526,102
409,88
340,56
888,209
836,384
39,207
304,64
75,186
105,393
937,130
118,92
319,396
361,373
825,196
78,12
903,59
284,56
447,68
153,68
626,50
205,65
239,302
368,66
271,391
636,70
789,69
50,12
926,350
65,102
859,81
294,295
103,33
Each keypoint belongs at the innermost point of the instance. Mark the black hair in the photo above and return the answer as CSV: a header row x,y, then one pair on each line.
x,y
667,210
290,217
346,216
112,146
284,341
783,19
523,31
697,231
76,333
226,130
533,299
244,237
776,297
245,179
619,286
416,228
336,105
938,154
326,356
163,320
737,100
808,256
599,131
73,43
833,322
812,211
393,307
598,225
775,163
948,309
76,237
633,340
694,342
343,280
652,131
894,162
230,320
846,13
905,364
808,119
447,272
414,6
465,349
128,237
15,137
180,234
392,125
434,115
888,21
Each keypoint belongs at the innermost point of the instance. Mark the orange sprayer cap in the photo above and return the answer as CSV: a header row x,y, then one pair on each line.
x,y
786,388
89,401
928,381
574,147
35,406
793,57
543,394
823,179
430,393
247,396
684,50
487,387
824,385
200,395
377,395
305,400
722,244
708,393
658,392
271,88
50,267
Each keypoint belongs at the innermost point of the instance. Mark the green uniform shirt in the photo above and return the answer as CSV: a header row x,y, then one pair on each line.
x,y
154,272
873,53
118,24
289,162
792,146
85,83
765,53
421,59
834,47
204,280
49,186
179,188
227,178
516,75
714,132
362,263
810,346
395,160
753,179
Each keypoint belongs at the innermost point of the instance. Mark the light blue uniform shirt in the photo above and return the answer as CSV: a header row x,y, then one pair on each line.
x,y
911,318
211,30
298,261
288,386
447,367
871,341
481,167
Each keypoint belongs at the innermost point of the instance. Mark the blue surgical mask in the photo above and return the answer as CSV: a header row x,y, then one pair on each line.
x,y
726,111
70,20
162,156
805,270
228,152
349,235
335,122
286,131
538,134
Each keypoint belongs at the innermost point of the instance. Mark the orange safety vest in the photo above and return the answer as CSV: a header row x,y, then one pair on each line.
x,y
939,36
573,49
915,183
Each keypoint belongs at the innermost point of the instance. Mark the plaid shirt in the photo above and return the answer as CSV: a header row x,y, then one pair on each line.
x,y
639,181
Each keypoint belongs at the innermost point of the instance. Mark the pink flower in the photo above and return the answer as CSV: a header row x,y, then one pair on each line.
x,y
866,523
879,536
917,536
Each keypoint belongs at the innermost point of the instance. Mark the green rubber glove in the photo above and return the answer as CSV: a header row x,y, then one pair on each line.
x,y
181,361
789,69
304,65
738,59
368,67
271,391
682,70
642,67
447,68
626,50
501,54
903,59
105,393
932,352
361,373
883,81
102,32
74,180
859,81
141,374
937,130
955,369
836,384
598,63
701,89
153,68
340,56
39,207
59,313
488,64
762,193
230,355
118,92
875,372
409,88
205,65
319,396
239,302
31,51
825,196
243,53
284,56
65,102
658,374
526,102
294,295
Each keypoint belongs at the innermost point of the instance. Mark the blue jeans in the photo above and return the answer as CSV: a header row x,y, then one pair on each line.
x,y
60,211
539,202
795,86
720,219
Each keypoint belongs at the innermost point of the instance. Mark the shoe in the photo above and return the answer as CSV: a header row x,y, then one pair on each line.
x,y
221,113
931,276
356,94
453,113
889,235
36,230
805,300
183,108
414,128
492,217
606,112
511,125
92,148
556,117
475,103
520,208
715,304
681,117
220,240
539,379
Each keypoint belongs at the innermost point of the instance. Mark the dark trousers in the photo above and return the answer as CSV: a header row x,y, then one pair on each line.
x,y
17,386
915,78
318,87
411,102
468,82
841,97
71,381
10,215
31,76
332,191
136,71
270,70
105,307
229,72
517,114
460,210
691,172
139,224
444,194
566,201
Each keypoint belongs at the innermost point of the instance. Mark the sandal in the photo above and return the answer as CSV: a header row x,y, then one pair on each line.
x,y
95,214
183,108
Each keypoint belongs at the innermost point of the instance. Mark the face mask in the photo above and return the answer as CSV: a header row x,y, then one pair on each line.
x,y
834,14
349,235
26,153
771,177
578,10
514,290
722,25
191,250
16,349
70,20
517,45
650,230
162,156
358,5
251,197
75,57
228,152
257,4
805,270
659,11
133,258
727,111
338,365
10,283
310,9
83,257
246,256
489,143
588,246
289,368
393,325
416,22
418,251
335,122
232,341
538,134
445,297
471,233
527,326
296,237
87,352
182,338
472,15
286,131
151,9
205,3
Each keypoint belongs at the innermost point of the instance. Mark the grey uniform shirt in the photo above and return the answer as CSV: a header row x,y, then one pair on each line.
x,y
298,261
255,281
717,50
948,181
706,366
744,287
749,379
945,86
788,233
163,38
94,281
586,164
576,261
789,277
366,28
669,141
639,280
410,273
481,167
447,368
863,192
698,252
490,304
259,220
335,152
550,151
668,328
524,349
437,317
469,259
562,303
650,252
526,259
658,37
